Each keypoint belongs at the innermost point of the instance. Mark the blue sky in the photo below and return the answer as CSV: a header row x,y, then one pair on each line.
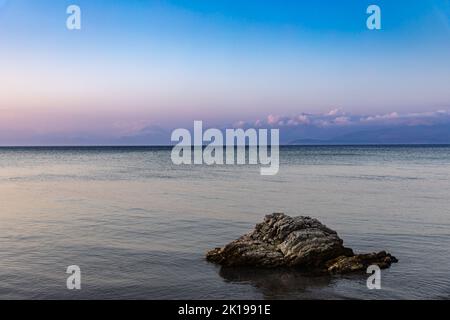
x,y
137,64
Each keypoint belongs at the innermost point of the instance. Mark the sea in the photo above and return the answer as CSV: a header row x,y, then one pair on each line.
x,y
138,226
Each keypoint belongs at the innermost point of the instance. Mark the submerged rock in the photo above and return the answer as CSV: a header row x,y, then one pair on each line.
x,y
301,242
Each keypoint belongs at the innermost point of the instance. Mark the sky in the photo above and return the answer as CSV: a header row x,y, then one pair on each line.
x,y
140,68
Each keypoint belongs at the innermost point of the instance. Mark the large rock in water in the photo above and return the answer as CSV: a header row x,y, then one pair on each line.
x,y
302,242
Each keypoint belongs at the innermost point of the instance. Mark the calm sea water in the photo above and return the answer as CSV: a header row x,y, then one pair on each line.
x,y
139,226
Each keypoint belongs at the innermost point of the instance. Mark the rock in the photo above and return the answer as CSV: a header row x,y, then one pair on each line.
x,y
301,242
360,262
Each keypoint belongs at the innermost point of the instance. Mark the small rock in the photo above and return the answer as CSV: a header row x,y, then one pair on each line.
x,y
360,262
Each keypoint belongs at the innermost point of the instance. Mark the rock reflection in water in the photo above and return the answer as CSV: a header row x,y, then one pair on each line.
x,y
283,283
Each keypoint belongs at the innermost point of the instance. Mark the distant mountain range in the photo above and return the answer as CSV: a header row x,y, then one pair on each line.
x,y
437,134
405,134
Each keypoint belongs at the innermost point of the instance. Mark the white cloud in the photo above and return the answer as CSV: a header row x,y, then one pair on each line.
x,y
342,120
337,117
335,112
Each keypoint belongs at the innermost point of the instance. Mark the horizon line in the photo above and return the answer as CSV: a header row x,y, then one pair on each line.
x,y
171,146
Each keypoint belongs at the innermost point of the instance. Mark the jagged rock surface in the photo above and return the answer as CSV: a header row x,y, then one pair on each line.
x,y
303,242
